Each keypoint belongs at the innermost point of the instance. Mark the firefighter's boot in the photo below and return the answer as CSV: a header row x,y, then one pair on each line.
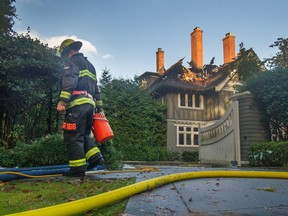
x,y
95,161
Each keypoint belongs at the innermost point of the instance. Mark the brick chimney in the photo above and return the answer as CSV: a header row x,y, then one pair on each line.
x,y
160,61
197,47
229,48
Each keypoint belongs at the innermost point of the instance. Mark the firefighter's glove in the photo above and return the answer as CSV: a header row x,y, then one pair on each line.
x,y
101,114
61,106
99,110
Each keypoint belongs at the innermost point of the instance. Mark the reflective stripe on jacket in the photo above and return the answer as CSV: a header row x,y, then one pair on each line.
x,y
79,75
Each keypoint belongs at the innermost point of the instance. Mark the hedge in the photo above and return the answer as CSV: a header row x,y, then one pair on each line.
x,y
269,154
48,151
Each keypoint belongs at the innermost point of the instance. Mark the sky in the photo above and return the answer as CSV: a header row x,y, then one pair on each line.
x,y
123,35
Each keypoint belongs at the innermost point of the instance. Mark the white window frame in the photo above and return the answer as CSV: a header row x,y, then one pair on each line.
x,y
185,132
201,101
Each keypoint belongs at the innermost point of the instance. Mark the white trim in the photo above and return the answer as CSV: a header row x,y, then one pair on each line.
x,y
201,101
221,85
186,95
184,132
186,122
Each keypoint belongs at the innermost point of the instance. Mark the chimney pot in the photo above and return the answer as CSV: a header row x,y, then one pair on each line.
x,y
229,34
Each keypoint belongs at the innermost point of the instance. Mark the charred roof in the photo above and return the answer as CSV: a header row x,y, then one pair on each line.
x,y
191,78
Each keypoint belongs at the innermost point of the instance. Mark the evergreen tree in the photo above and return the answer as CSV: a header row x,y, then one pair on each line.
x,y
137,120
7,14
248,65
281,58
271,91
106,77
29,72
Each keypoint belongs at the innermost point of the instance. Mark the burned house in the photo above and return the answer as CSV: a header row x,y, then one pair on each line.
x,y
195,96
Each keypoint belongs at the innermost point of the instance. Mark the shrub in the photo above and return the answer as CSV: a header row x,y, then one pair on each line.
x,y
51,150
188,156
113,158
7,158
273,154
46,151
144,152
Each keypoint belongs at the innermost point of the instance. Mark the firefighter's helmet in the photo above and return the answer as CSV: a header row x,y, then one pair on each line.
x,y
69,44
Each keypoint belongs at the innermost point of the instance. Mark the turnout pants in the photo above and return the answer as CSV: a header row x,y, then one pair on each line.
x,y
77,129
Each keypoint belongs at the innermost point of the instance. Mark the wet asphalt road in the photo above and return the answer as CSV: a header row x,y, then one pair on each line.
x,y
208,196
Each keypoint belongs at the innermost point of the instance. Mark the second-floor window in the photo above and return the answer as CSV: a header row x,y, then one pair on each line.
x,y
188,100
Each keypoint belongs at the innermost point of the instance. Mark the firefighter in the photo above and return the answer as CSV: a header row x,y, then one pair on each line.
x,y
79,97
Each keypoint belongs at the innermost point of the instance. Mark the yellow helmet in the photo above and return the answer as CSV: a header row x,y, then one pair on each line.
x,y
69,44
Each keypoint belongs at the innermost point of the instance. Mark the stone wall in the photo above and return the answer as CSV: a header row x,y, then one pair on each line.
x,y
229,139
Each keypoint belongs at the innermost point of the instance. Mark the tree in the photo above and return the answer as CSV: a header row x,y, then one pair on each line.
x,y
271,91
29,72
105,78
281,58
137,120
248,65
7,14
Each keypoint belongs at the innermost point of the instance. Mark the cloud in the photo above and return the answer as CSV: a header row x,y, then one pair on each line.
x,y
88,48
55,41
108,56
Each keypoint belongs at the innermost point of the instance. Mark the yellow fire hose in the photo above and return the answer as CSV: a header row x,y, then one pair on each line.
x,y
97,201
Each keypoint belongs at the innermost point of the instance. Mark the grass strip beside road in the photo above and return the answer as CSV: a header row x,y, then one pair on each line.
x,y
18,196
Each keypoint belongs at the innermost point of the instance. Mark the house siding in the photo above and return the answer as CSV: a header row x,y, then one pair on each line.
x,y
215,106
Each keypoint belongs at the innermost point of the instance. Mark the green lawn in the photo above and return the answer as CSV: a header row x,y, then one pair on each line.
x,y
18,196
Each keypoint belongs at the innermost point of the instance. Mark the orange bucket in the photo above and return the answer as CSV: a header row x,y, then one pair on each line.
x,y
101,129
